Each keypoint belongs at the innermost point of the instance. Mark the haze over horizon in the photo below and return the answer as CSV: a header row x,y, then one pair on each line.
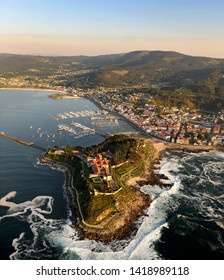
x,y
85,27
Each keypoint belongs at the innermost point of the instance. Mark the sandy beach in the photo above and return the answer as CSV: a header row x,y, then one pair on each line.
x,y
44,89
70,97
39,89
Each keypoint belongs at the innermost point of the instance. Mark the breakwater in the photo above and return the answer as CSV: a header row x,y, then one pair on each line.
x,y
21,141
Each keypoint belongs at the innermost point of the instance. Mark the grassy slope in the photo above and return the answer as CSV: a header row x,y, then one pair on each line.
x,y
112,214
134,152
202,77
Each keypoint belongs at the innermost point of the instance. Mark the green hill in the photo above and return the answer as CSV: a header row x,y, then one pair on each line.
x,y
144,67
144,61
202,78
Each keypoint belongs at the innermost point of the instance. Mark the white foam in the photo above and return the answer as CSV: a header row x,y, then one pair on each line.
x,y
169,167
220,224
145,250
16,244
59,234
37,204
153,191
4,200
212,171
219,154
32,212
140,246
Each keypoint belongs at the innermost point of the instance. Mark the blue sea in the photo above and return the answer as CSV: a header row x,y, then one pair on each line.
x,y
185,221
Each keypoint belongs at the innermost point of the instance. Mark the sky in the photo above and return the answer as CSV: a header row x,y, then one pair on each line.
x,y
95,27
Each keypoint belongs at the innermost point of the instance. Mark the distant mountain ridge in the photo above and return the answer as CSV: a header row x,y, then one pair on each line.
x,y
137,68
131,59
169,76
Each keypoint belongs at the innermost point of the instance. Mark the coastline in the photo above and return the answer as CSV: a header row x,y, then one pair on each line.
x,y
121,230
125,229
70,97
65,96
67,184
160,147
113,218
148,223
124,225
136,127
34,89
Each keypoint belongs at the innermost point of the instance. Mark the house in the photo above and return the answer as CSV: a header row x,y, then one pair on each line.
x,y
75,152
58,152
100,167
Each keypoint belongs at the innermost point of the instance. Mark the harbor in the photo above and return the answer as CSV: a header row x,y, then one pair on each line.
x,y
104,122
23,118
77,130
75,114
100,119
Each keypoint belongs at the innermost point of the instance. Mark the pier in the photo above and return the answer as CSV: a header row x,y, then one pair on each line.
x,y
23,142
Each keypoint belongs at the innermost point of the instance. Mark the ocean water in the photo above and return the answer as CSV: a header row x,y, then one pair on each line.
x,y
183,222
196,226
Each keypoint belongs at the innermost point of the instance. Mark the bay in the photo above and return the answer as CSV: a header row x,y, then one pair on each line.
x,y
28,115
183,222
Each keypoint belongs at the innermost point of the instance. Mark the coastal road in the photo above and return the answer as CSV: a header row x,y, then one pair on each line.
x,y
78,203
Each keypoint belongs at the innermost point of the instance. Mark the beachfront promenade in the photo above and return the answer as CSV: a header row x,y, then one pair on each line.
x,y
21,141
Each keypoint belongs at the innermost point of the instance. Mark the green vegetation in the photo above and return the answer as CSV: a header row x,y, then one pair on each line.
x,y
96,184
102,210
121,147
173,78
204,96
56,96
81,187
131,154
74,165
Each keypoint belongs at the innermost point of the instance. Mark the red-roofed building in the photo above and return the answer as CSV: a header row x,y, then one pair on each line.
x,y
100,167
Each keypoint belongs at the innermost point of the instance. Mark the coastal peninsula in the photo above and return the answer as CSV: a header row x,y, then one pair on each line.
x,y
103,180
100,184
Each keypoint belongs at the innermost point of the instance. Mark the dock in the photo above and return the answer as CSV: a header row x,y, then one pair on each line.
x,y
22,142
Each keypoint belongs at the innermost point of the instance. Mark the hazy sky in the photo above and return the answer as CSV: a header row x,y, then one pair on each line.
x,y
92,27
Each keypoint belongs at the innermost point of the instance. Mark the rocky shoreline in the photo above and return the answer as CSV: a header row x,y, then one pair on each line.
x,y
122,231
124,227
155,179
119,229
68,190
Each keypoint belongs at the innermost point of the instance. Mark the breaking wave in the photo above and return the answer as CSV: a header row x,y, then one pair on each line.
x,y
194,201
33,212
141,244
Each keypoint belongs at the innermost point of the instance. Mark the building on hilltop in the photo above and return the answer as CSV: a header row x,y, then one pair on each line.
x,y
100,177
100,167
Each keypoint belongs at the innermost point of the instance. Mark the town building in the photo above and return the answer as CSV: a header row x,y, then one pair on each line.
x,y
100,167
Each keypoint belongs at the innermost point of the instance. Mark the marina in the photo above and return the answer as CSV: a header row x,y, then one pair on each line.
x,y
104,122
78,130
95,118
41,185
83,130
75,114
83,127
